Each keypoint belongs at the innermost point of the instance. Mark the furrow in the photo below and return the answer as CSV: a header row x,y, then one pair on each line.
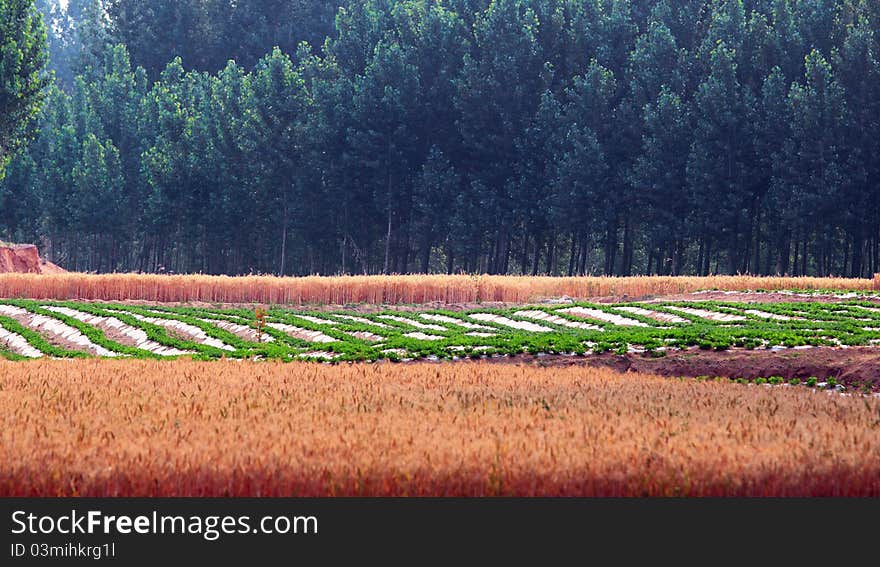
x,y
556,320
302,334
412,323
121,331
710,315
56,331
521,325
655,315
18,344
191,331
454,321
600,315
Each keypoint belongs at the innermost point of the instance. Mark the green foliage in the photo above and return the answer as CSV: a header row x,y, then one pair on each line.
x,y
23,58
388,332
36,340
514,136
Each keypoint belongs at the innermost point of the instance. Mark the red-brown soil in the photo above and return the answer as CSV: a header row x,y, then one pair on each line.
x,y
24,259
762,297
856,367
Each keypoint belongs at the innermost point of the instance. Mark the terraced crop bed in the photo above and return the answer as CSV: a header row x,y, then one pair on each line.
x,y
36,329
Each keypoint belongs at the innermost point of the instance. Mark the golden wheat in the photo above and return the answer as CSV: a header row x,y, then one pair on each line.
x,y
383,289
141,428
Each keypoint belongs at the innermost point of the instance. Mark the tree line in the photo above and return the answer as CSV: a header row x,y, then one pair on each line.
x,y
506,136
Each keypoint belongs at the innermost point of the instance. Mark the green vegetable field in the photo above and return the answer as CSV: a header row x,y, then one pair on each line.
x,y
35,329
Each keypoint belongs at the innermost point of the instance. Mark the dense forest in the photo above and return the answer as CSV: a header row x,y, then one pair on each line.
x,y
505,136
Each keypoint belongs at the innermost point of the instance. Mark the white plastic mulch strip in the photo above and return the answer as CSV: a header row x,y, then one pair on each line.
x,y
302,334
12,311
710,315
423,337
365,336
475,348
848,295
521,325
412,323
220,317
242,331
556,320
18,344
397,351
70,334
766,315
55,327
314,320
195,333
655,315
600,315
362,320
479,334
454,321
138,336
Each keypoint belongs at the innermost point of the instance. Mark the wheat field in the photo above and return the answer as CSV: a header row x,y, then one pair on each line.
x,y
385,289
184,428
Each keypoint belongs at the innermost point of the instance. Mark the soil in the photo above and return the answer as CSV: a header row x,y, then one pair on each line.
x,y
115,334
24,259
51,338
856,367
753,297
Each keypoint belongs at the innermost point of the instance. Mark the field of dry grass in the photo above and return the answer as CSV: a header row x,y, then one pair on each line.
x,y
146,428
384,289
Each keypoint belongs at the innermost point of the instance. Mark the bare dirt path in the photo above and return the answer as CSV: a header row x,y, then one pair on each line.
x,y
855,367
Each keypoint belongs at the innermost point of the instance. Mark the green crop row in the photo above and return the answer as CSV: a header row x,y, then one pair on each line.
x,y
810,324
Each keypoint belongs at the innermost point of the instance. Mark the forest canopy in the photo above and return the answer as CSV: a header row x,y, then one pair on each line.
x,y
23,60
506,136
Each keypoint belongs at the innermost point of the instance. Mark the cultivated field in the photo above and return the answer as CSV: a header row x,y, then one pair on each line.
x,y
382,290
33,329
189,428
505,397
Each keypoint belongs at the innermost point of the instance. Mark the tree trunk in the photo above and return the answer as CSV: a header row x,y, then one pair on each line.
x,y
283,241
610,248
700,257
857,255
426,256
388,232
626,269
585,251
804,256
551,254
536,262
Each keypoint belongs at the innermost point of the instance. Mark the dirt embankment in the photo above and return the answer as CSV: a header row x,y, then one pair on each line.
x,y
24,259
857,366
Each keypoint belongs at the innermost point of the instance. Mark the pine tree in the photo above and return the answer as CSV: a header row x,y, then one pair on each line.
x,y
23,59
721,159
